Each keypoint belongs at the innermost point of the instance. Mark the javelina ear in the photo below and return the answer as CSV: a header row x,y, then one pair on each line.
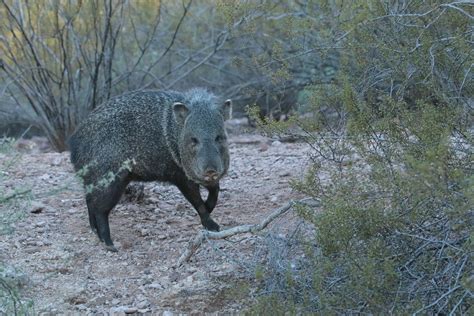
x,y
226,109
180,112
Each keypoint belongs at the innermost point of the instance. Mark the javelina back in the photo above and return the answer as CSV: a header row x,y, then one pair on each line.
x,y
152,136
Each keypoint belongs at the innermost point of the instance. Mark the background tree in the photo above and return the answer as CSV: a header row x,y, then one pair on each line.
x,y
63,58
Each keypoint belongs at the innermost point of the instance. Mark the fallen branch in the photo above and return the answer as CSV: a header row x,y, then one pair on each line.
x,y
196,242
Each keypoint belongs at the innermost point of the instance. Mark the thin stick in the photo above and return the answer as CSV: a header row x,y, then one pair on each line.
x,y
196,242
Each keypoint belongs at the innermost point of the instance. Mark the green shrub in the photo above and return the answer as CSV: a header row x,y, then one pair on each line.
x,y
392,142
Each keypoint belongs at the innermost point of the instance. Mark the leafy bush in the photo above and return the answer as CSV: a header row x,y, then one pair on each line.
x,y
392,167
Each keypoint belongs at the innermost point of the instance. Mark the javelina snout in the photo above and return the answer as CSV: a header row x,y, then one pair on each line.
x,y
210,166
170,136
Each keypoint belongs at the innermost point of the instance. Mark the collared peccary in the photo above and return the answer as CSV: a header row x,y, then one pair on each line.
x,y
152,135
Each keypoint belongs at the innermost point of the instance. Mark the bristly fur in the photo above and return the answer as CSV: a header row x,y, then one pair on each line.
x,y
169,136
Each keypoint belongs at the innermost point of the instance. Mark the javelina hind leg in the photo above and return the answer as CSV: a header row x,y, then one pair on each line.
x,y
92,220
99,203
212,197
191,192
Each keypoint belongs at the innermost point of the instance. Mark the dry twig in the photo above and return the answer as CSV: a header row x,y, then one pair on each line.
x,y
196,242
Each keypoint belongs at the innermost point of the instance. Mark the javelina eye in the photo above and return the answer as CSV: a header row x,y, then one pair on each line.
x,y
220,139
194,141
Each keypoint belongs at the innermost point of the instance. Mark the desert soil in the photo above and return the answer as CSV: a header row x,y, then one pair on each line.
x,y
62,267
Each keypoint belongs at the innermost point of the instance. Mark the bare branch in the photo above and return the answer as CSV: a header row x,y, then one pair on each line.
x,y
196,242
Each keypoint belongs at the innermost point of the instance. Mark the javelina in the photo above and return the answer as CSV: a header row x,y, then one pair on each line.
x,y
165,136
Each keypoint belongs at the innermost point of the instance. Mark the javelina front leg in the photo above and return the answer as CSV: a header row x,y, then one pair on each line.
x,y
191,192
212,198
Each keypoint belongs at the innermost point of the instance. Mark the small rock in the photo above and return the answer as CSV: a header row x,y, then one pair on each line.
x,y
37,207
191,269
45,177
274,199
224,196
32,250
276,143
156,285
284,174
146,281
77,300
56,161
130,310
115,301
31,243
143,310
120,310
263,147
64,270
167,313
143,304
81,307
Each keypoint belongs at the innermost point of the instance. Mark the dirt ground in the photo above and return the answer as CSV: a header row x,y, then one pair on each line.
x,y
61,265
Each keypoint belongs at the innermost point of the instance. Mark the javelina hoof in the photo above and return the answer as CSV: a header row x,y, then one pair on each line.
x,y
111,248
209,224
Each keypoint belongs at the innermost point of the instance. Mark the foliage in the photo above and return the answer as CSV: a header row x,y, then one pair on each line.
x,y
286,46
392,166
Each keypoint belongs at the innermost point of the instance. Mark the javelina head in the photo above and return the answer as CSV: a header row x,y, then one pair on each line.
x,y
203,140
